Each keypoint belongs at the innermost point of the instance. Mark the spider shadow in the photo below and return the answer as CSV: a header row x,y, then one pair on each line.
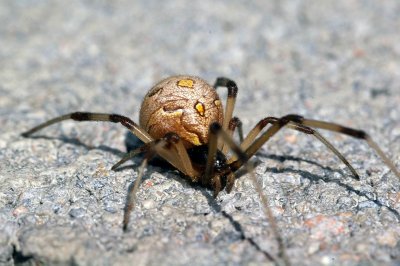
x,y
212,202
283,158
132,142
315,178
77,142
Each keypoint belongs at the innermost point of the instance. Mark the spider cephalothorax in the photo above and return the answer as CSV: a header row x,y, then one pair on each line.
x,y
182,120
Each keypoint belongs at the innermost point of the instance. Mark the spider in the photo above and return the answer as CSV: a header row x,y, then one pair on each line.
x,y
183,121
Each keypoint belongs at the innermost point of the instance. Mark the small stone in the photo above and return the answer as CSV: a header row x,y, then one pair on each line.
x,y
149,204
77,212
19,210
314,247
326,260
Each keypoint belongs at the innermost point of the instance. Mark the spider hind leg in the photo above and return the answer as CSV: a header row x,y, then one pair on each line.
x,y
253,144
355,133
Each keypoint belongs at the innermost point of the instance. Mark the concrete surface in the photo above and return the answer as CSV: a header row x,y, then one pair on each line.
x,y
333,60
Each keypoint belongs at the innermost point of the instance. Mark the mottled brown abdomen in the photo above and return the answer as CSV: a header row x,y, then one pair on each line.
x,y
185,105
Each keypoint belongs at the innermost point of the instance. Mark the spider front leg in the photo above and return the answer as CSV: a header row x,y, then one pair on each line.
x,y
86,116
216,131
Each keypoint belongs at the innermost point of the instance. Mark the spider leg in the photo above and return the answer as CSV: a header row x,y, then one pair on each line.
x,y
230,101
212,151
217,130
132,190
169,155
217,184
235,123
252,135
171,148
230,182
278,124
180,158
360,134
133,153
209,176
86,116
175,153
240,129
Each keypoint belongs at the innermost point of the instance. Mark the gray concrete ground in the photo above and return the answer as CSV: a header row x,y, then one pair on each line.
x,y
332,60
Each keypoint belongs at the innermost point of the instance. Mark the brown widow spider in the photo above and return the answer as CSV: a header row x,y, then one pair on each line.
x,y
182,120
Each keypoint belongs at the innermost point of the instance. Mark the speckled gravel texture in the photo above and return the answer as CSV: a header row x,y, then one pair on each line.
x,y
332,60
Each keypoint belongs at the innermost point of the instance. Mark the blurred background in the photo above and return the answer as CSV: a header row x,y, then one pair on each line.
x,y
332,60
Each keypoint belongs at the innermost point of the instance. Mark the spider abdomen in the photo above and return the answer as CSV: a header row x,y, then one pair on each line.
x,y
185,105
